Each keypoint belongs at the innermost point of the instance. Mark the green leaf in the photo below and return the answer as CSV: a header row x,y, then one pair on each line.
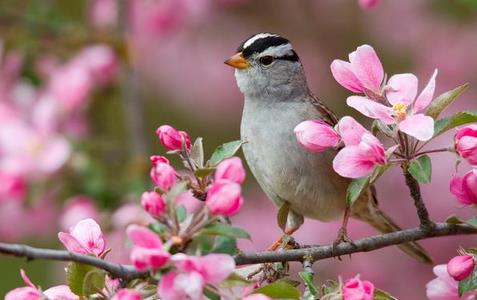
x,y
235,280
225,244
472,251
211,295
355,188
457,119
472,222
93,282
468,284
181,213
226,230
382,295
309,282
197,153
453,219
279,290
224,151
440,103
421,169
282,215
75,277
203,172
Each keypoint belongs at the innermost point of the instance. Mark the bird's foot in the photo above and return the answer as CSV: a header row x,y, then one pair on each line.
x,y
269,272
342,238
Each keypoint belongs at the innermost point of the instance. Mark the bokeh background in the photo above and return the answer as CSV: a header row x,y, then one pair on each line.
x,y
84,85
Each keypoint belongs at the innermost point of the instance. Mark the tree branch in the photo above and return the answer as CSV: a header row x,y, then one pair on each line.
x,y
124,272
415,191
313,253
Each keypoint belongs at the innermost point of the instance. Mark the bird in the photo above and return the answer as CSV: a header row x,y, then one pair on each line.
x,y
302,184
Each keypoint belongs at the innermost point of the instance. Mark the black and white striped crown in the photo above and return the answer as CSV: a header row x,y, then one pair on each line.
x,y
268,44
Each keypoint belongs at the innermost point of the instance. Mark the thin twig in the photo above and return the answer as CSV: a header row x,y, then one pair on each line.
x,y
433,151
415,191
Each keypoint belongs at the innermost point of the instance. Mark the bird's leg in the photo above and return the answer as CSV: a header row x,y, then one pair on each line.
x,y
280,241
293,222
343,231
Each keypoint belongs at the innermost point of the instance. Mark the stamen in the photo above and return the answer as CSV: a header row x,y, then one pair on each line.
x,y
400,111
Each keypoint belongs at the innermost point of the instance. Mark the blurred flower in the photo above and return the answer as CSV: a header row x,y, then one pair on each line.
x,y
465,188
368,4
31,292
78,208
85,237
103,14
13,187
231,169
127,294
153,203
466,143
401,93
356,289
163,175
461,266
257,297
100,61
147,251
172,139
224,198
362,74
443,287
130,213
316,135
191,203
362,151
192,273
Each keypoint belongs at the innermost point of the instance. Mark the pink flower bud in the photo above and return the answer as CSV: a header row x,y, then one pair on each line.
x,y
368,4
316,135
231,169
155,159
85,237
224,198
153,203
127,294
172,139
147,251
466,143
465,188
163,175
355,289
460,267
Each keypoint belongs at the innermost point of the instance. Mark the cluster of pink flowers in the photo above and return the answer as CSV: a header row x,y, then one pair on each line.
x,y
465,188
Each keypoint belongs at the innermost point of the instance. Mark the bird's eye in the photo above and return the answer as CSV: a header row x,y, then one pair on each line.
x,y
266,60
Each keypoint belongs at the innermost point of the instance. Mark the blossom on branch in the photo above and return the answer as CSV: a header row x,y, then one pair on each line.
x,y
231,169
172,138
461,266
147,251
466,143
85,237
357,289
465,188
224,198
316,135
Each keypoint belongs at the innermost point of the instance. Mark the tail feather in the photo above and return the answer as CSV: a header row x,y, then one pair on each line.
x,y
366,209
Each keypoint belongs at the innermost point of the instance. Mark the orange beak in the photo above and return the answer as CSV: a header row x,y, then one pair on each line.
x,y
237,61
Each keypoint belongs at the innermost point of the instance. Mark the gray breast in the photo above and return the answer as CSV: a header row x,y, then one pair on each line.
x,y
284,170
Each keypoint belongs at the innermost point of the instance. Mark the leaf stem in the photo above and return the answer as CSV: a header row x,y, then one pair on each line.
x,y
433,151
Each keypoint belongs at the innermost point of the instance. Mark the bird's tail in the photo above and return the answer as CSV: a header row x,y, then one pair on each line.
x,y
368,211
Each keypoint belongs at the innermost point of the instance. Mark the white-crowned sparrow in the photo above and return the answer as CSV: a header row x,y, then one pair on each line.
x,y
277,98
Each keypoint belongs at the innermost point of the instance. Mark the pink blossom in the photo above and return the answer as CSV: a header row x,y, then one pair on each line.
x,y
192,273
60,292
224,198
163,175
364,71
460,267
231,169
362,153
191,203
356,289
127,294
103,14
444,287
257,297
13,187
368,4
153,203
172,139
316,135
130,213
100,61
465,188
405,110
24,293
466,143
78,208
155,159
147,251
85,237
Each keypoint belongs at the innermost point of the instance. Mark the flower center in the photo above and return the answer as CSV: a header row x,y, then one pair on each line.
x,y
400,111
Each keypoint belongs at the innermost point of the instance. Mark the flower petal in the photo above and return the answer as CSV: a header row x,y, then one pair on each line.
x,y
426,95
71,243
60,292
88,233
351,162
402,89
143,237
350,131
344,75
367,67
419,126
215,268
371,109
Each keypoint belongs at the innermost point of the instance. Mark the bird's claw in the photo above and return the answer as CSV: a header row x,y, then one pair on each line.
x,y
342,238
